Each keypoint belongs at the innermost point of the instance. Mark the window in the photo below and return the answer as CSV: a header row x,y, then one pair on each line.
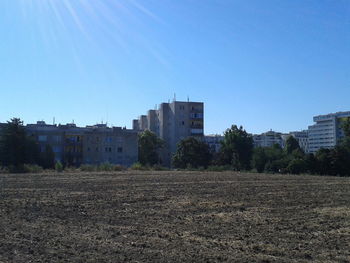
x,y
120,149
88,149
182,123
56,138
42,138
57,149
96,149
42,148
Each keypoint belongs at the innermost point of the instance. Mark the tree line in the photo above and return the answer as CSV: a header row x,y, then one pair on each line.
x,y
18,149
237,152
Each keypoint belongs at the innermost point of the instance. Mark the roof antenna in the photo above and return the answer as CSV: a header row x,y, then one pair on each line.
x,y
174,96
188,98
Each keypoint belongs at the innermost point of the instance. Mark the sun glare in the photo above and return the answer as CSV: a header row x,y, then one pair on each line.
x,y
53,20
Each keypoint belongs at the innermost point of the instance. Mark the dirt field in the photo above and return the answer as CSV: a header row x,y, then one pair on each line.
x,y
174,217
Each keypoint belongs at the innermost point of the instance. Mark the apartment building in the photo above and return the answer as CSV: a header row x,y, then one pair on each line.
x,y
303,139
327,131
95,144
173,122
114,145
66,140
268,139
214,142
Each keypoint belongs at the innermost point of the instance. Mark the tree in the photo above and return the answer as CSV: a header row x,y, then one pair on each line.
x,y
149,146
292,144
47,158
311,163
237,148
16,148
192,152
259,159
323,160
297,166
346,127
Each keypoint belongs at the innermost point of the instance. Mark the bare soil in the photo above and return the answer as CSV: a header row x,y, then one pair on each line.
x,y
174,217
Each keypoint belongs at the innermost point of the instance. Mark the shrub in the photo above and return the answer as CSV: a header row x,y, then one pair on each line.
x,y
32,168
219,168
4,170
105,167
59,167
139,166
297,166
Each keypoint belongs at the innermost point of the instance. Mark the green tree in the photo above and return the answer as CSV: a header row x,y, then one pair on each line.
x,y
237,148
297,166
291,145
340,161
259,159
311,163
346,127
16,148
149,147
323,161
191,152
47,158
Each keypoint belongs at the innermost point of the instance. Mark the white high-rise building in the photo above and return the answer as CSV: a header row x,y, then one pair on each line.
x,y
303,139
327,131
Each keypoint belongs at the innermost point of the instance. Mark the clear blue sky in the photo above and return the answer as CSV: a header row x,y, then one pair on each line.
x,y
268,64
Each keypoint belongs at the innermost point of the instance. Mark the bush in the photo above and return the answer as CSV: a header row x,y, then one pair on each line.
x,y
219,168
58,167
297,166
32,168
139,166
4,170
105,167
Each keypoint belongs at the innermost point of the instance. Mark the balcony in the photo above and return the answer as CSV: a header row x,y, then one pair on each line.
x,y
197,131
196,116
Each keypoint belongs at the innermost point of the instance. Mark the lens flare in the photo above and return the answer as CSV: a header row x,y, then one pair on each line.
x,y
51,21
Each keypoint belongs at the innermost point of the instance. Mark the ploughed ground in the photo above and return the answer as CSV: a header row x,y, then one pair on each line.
x,y
174,217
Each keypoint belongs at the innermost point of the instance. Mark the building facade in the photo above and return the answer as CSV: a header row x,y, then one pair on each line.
x,y
327,131
115,145
303,139
65,140
214,142
173,122
268,139
95,144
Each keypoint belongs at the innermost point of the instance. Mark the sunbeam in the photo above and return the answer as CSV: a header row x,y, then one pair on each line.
x,y
51,21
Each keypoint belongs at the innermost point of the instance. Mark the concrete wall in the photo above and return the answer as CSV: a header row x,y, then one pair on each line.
x,y
115,146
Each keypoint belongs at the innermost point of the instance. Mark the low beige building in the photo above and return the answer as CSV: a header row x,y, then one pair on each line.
x,y
114,145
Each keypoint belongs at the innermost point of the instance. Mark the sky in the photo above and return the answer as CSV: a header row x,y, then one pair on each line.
x,y
261,64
